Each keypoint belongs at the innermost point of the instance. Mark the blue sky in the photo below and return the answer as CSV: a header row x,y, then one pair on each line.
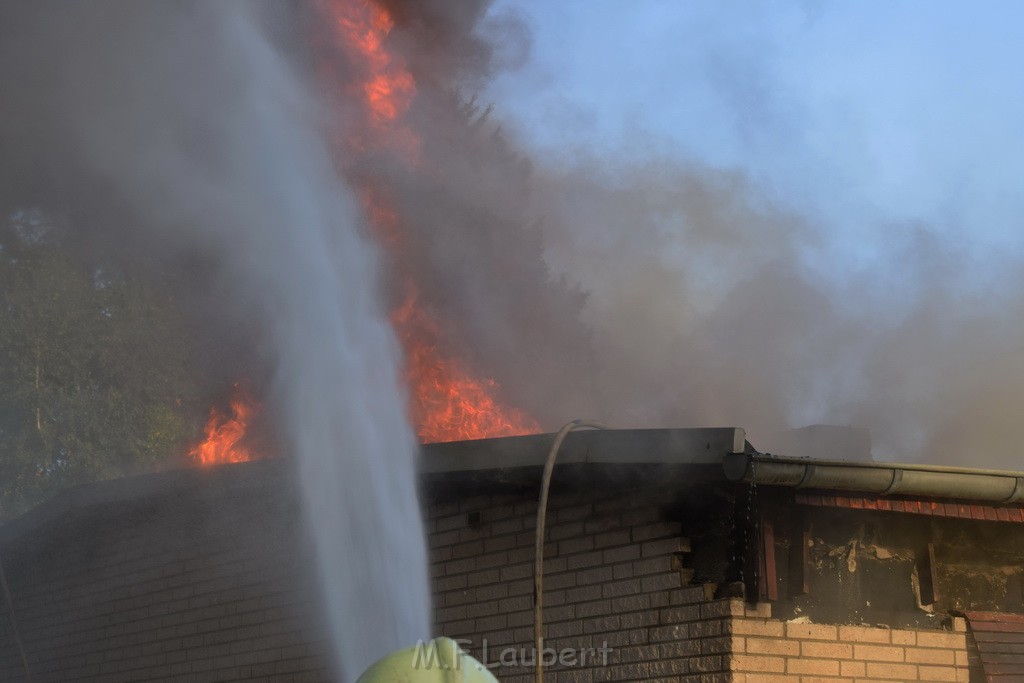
x,y
860,115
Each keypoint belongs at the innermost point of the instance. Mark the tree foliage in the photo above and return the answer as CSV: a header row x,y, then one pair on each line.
x,y
95,368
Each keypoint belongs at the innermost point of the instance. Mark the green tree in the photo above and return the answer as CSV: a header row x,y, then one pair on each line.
x,y
95,368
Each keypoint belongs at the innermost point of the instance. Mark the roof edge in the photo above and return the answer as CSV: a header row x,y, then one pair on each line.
x,y
693,446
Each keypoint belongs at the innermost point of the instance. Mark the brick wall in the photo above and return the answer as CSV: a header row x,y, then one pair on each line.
x,y
208,580
772,651
200,583
612,577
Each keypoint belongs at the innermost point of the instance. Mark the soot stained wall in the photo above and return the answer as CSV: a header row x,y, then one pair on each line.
x,y
865,567
203,576
619,561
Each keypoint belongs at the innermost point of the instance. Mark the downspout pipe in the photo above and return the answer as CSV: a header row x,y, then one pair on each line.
x,y
879,478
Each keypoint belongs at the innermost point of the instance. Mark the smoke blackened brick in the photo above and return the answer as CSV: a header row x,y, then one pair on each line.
x,y
607,579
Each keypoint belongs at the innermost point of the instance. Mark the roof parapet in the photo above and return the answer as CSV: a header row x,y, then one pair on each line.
x,y
692,446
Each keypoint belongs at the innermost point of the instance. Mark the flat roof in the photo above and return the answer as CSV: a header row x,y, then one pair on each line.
x,y
478,460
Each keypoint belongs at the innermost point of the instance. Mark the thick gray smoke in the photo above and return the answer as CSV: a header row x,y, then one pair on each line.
x,y
181,127
705,311
650,290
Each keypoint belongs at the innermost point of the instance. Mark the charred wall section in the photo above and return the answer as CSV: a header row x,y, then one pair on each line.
x,y
894,569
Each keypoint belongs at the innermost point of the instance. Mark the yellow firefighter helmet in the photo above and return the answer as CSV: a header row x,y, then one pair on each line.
x,y
438,661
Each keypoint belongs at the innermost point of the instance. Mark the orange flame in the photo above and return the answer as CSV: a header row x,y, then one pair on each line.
x,y
448,402
387,88
224,435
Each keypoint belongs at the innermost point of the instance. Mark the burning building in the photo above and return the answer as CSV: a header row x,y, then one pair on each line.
x,y
385,243
683,554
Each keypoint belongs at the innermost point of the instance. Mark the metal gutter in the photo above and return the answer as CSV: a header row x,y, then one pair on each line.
x,y
877,477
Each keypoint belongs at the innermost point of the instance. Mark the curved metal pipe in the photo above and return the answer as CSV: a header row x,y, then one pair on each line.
x,y
538,566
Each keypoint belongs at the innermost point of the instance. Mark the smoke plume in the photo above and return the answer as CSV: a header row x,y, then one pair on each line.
x,y
648,289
